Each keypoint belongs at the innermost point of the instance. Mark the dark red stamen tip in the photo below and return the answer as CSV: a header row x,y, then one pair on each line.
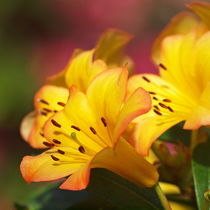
x,y
103,121
155,98
75,127
47,110
43,113
43,101
56,141
162,66
61,152
47,144
167,100
55,123
163,105
61,103
157,112
156,107
146,79
170,109
152,93
93,130
81,149
41,134
54,158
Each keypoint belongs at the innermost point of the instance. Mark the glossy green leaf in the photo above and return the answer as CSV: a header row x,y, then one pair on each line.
x,y
51,197
122,193
201,171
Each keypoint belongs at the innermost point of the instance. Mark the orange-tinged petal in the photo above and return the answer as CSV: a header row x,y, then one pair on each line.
x,y
82,69
126,162
202,9
79,180
138,103
48,100
43,168
201,113
106,94
181,24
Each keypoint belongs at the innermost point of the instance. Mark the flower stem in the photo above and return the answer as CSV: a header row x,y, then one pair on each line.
x,y
163,198
194,140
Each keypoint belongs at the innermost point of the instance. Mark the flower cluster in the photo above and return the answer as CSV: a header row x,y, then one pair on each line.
x,y
92,115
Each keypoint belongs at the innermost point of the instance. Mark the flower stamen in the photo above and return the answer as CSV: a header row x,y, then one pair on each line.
x,y
146,79
54,158
157,112
103,121
162,66
81,149
93,130
61,103
56,124
61,152
43,101
76,128
47,144
56,141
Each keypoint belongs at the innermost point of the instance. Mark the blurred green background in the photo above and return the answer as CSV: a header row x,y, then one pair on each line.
x,y
37,39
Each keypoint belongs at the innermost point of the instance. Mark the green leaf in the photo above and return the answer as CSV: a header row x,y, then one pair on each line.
x,y
201,171
50,197
175,134
122,193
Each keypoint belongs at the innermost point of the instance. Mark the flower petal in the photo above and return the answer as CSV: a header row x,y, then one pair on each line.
x,y
138,103
43,168
178,57
116,40
126,162
170,106
149,128
81,114
78,180
202,62
106,94
48,100
71,133
201,113
202,9
26,125
181,24
82,69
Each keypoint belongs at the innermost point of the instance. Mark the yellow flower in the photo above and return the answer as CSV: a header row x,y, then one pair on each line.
x,y
88,133
83,67
181,92
183,23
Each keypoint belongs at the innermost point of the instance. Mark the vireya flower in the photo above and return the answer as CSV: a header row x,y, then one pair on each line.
x,y
83,67
88,133
181,92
